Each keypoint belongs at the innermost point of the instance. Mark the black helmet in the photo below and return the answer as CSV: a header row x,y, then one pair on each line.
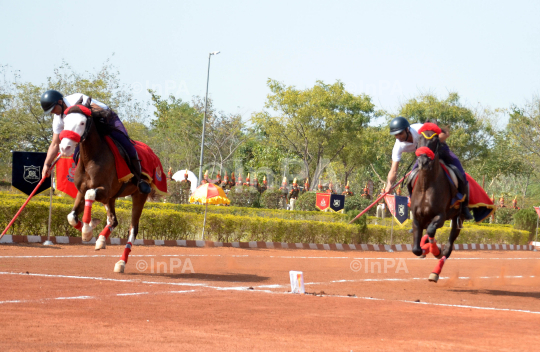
x,y
49,99
398,125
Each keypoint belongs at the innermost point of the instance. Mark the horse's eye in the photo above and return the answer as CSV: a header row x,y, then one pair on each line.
x,y
82,123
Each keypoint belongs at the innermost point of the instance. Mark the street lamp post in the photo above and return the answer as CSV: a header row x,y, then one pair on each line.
x,y
204,120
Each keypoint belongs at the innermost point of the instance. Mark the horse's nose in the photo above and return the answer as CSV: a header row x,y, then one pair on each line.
x,y
66,150
417,251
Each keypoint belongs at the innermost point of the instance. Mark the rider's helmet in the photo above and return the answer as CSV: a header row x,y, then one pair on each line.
x,y
49,100
398,125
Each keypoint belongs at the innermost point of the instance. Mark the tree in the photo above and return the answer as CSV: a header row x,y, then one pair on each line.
x,y
224,133
176,132
315,124
524,128
368,151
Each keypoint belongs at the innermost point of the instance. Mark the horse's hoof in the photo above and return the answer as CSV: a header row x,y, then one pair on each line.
x,y
86,233
439,256
100,243
422,256
120,266
433,277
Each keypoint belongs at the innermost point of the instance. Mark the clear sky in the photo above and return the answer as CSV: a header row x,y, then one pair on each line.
x,y
487,51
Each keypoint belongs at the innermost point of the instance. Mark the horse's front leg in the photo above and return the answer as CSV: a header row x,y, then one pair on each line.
x,y
90,196
78,207
138,199
454,233
417,233
112,222
436,223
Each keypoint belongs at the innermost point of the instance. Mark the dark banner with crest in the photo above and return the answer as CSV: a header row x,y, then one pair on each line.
x,y
337,203
402,209
26,172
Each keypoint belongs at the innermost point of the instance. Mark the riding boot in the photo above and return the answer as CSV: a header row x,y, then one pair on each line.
x,y
143,186
464,189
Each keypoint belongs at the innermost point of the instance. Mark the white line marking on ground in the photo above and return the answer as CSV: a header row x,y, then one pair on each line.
x,y
93,297
242,288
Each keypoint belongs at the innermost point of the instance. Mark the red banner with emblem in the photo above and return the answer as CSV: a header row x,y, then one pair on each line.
x,y
323,201
65,175
391,202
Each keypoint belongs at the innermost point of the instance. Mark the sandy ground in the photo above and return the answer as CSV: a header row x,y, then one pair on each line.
x,y
170,298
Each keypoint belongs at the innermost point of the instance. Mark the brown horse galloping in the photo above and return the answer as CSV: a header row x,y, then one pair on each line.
x,y
431,201
95,176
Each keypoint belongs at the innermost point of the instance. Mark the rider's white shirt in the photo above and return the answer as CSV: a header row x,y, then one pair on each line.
x,y
401,147
70,100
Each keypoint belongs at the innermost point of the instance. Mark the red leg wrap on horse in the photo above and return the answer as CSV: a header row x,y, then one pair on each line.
x,y
424,240
106,231
78,226
426,248
434,249
126,253
87,217
439,266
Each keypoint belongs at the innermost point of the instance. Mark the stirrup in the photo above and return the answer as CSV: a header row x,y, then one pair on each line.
x,y
144,187
459,223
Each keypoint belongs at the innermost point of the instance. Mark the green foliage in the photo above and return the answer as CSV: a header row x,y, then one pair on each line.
x,y
244,196
505,215
159,222
306,202
272,199
526,219
176,132
315,124
358,203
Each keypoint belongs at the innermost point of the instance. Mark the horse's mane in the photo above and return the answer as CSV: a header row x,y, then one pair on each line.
x,y
100,118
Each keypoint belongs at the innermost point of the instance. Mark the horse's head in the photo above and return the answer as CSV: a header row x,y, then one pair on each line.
x,y
428,145
76,125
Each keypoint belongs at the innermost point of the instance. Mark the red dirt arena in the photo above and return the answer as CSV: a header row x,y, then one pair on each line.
x,y
66,297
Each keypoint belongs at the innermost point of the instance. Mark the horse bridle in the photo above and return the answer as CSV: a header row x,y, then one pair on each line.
x,y
89,120
87,127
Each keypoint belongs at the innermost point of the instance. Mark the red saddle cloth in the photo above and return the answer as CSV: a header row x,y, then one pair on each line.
x,y
479,201
150,165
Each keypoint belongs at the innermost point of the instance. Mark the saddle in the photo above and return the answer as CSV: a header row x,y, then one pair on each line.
x,y
452,172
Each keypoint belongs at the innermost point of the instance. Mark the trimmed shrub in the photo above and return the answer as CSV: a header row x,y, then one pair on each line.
x,y
244,196
526,219
306,202
173,222
174,190
359,203
505,215
271,198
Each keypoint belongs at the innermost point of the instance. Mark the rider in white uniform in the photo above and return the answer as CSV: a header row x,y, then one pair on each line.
x,y
407,141
53,102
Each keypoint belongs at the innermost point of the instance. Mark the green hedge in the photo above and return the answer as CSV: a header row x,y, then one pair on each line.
x,y
164,222
198,209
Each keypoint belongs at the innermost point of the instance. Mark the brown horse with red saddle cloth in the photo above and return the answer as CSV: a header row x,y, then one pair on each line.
x,y
97,178
432,200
